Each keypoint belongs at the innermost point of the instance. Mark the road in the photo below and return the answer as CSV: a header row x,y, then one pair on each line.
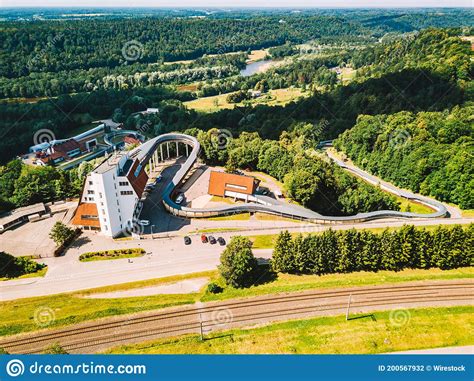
x,y
101,334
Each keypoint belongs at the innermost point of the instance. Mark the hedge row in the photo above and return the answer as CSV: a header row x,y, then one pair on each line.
x,y
112,253
348,251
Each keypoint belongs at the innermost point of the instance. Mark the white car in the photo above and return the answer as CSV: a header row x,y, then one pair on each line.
x,y
180,198
144,222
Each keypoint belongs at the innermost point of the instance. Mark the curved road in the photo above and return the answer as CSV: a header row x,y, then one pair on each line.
x,y
99,335
267,204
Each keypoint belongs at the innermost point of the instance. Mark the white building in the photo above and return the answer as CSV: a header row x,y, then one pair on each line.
x,y
110,199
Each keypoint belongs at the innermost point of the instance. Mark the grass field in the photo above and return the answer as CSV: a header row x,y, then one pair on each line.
x,y
424,328
257,55
294,283
218,230
267,241
232,217
18,315
219,102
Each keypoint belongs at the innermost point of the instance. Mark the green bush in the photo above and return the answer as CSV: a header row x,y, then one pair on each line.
x,y
12,267
111,253
214,288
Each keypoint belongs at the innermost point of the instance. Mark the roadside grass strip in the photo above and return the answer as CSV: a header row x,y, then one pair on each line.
x,y
422,328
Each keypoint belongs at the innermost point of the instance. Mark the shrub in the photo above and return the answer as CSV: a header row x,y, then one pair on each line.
x,y
55,349
214,288
12,267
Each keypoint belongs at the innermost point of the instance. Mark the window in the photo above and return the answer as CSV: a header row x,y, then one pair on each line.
x,y
124,183
90,182
89,217
126,193
90,192
240,187
100,195
103,211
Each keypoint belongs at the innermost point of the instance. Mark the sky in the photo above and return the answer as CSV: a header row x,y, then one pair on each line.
x,y
239,3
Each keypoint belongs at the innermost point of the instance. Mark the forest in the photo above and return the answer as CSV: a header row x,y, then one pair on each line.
x,y
406,82
427,152
307,176
352,250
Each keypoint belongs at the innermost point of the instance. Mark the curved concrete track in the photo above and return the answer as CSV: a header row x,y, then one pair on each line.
x,y
99,335
266,204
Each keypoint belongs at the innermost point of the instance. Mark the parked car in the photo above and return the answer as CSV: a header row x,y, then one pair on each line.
x,y
158,179
204,238
187,240
221,241
144,222
149,187
212,240
180,198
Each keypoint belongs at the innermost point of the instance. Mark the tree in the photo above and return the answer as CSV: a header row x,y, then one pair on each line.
x,y
282,256
238,265
60,233
3,351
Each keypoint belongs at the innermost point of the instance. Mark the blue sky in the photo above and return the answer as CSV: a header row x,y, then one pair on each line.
x,y
240,3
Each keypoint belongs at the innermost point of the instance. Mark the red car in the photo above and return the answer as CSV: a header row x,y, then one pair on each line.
x,y
203,238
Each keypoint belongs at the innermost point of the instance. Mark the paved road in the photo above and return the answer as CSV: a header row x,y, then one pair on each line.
x,y
374,180
169,256
99,335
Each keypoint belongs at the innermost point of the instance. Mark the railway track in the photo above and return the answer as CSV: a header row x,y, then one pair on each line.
x,y
99,335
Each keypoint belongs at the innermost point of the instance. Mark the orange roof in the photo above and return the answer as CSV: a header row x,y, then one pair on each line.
x,y
86,210
138,183
219,182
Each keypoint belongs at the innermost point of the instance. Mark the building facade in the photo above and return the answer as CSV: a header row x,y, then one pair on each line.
x,y
111,197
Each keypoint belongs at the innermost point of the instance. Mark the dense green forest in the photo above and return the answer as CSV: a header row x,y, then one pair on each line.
x,y
307,177
402,81
50,46
352,250
427,152
412,89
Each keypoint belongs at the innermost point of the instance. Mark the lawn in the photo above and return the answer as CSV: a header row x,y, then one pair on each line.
x,y
272,217
219,102
232,217
71,308
267,241
425,328
257,55
295,283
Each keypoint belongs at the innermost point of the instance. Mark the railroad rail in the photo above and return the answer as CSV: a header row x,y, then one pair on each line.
x,y
99,335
